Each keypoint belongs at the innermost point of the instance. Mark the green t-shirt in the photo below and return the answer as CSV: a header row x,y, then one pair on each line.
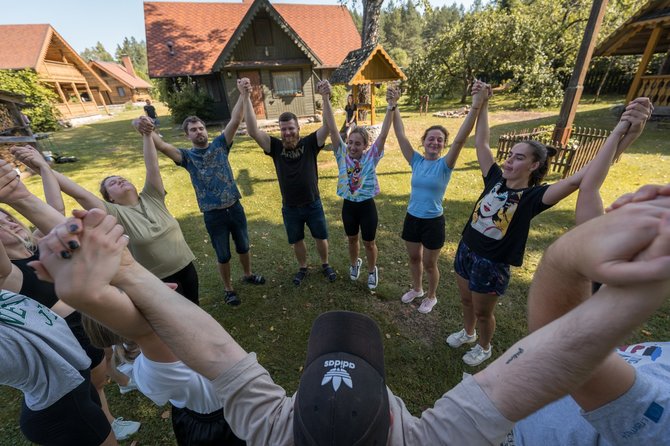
x,y
156,240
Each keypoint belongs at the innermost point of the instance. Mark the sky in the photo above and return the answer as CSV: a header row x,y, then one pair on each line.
x,y
83,23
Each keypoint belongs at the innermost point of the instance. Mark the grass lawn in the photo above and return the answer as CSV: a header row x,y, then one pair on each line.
x,y
274,319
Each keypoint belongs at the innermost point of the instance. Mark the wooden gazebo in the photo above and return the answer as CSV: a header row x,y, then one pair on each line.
x,y
646,33
367,66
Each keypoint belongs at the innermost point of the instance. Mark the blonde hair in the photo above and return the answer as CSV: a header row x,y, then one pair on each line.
x,y
29,242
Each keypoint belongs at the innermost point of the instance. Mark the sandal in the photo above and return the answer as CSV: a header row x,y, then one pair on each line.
x,y
254,279
329,272
299,276
232,299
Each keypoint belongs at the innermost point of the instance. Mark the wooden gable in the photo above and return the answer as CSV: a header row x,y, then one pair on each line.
x,y
367,65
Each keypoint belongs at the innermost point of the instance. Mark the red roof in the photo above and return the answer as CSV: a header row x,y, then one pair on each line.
x,y
119,72
21,46
199,32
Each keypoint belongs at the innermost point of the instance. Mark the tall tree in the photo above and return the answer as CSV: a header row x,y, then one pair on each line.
x,y
138,55
371,13
97,52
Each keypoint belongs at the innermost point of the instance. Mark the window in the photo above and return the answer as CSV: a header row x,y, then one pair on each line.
x,y
121,91
286,83
262,32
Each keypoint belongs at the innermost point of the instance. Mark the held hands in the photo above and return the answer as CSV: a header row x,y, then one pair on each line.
x,y
392,95
481,92
244,86
11,187
29,156
323,88
635,116
82,255
144,125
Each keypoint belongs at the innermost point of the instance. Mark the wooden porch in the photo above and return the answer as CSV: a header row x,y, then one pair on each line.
x,y
656,88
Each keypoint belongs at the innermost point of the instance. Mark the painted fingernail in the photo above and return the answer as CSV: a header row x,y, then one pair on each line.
x,y
73,228
73,244
65,254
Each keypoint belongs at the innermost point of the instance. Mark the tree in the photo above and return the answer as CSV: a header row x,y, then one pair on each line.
x,y
43,115
402,28
370,29
437,20
97,52
137,51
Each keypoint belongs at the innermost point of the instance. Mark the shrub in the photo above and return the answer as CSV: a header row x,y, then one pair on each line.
x,y
43,115
183,98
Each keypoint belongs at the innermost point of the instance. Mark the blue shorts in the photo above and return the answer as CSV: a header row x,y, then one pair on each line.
x,y
483,275
221,224
295,218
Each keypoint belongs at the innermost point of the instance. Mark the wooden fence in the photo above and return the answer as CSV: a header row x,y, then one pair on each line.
x,y
583,146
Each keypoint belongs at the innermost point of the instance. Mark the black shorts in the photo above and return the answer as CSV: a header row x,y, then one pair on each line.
x,y
427,231
75,419
363,215
196,429
187,282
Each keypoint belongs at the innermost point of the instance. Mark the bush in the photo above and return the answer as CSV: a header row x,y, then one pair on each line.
x,y
184,99
43,115
338,96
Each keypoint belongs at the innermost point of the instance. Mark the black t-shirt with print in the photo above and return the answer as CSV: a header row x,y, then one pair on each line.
x,y
499,224
296,170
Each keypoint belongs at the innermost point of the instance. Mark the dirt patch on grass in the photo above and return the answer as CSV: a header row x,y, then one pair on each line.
x,y
522,115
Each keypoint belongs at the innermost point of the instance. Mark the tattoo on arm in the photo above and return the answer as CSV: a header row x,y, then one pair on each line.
x,y
514,356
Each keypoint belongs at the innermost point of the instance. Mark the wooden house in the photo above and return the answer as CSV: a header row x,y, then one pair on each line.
x,y
125,85
370,65
646,33
284,49
41,49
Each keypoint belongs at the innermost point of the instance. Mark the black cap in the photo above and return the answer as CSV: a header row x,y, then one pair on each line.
x,y
342,397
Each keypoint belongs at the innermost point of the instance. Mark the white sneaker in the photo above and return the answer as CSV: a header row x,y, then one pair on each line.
x,y
355,270
410,296
459,338
129,387
373,279
476,355
427,305
123,429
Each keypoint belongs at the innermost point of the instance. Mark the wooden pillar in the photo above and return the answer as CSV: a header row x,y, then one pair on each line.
x,y
76,92
372,103
646,57
102,100
63,98
575,87
354,92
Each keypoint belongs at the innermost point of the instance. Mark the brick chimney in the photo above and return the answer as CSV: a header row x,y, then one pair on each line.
x,y
125,60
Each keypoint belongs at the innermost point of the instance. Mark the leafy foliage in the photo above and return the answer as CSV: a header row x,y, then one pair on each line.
x,y
43,115
183,99
97,52
138,55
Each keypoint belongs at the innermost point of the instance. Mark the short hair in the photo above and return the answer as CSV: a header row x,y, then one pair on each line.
x,y
364,134
103,188
191,120
436,127
288,116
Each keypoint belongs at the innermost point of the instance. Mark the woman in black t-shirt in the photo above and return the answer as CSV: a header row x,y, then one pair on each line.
x,y
350,120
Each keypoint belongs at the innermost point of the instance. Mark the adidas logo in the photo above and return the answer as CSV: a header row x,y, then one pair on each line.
x,y
337,376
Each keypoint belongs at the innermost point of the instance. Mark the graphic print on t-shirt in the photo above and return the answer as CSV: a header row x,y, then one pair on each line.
x,y
354,173
494,212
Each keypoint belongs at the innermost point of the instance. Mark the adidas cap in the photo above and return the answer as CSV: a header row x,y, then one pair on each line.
x,y
342,397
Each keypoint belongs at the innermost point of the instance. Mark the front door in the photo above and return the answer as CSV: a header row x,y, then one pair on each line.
x,y
256,92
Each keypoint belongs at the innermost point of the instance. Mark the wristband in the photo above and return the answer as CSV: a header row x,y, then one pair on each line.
x,y
391,107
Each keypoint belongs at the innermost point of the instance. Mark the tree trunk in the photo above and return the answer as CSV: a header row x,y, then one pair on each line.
x,y
371,13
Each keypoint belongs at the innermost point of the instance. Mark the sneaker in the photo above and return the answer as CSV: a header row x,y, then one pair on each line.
x,y
232,299
476,355
123,429
410,296
373,279
355,270
328,272
129,387
459,338
427,305
299,276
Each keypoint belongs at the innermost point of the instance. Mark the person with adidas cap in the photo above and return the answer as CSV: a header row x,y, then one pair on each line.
x,y
343,397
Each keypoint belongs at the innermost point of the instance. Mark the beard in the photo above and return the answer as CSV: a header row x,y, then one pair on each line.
x,y
200,140
290,143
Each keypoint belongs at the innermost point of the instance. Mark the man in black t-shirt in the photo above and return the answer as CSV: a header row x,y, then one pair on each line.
x,y
295,162
150,110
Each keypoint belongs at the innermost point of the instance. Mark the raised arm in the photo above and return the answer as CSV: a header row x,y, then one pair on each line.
x,y
628,250
403,142
589,204
261,138
32,158
482,137
153,172
480,96
392,96
144,125
323,131
328,117
238,111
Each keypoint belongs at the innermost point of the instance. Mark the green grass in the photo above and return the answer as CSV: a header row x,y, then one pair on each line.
x,y
274,319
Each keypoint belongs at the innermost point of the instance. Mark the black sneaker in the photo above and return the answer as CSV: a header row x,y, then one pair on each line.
x,y
232,299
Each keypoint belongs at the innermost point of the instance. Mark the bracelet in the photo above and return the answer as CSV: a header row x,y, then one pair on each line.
x,y
391,107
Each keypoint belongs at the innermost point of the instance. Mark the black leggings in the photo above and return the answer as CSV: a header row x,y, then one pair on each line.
x,y
75,419
196,429
187,282
363,215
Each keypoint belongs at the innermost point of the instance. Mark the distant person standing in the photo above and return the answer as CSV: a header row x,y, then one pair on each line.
x,y
150,110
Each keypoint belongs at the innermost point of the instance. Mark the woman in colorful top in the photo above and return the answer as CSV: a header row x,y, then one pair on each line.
x,y
423,230
496,233
357,184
